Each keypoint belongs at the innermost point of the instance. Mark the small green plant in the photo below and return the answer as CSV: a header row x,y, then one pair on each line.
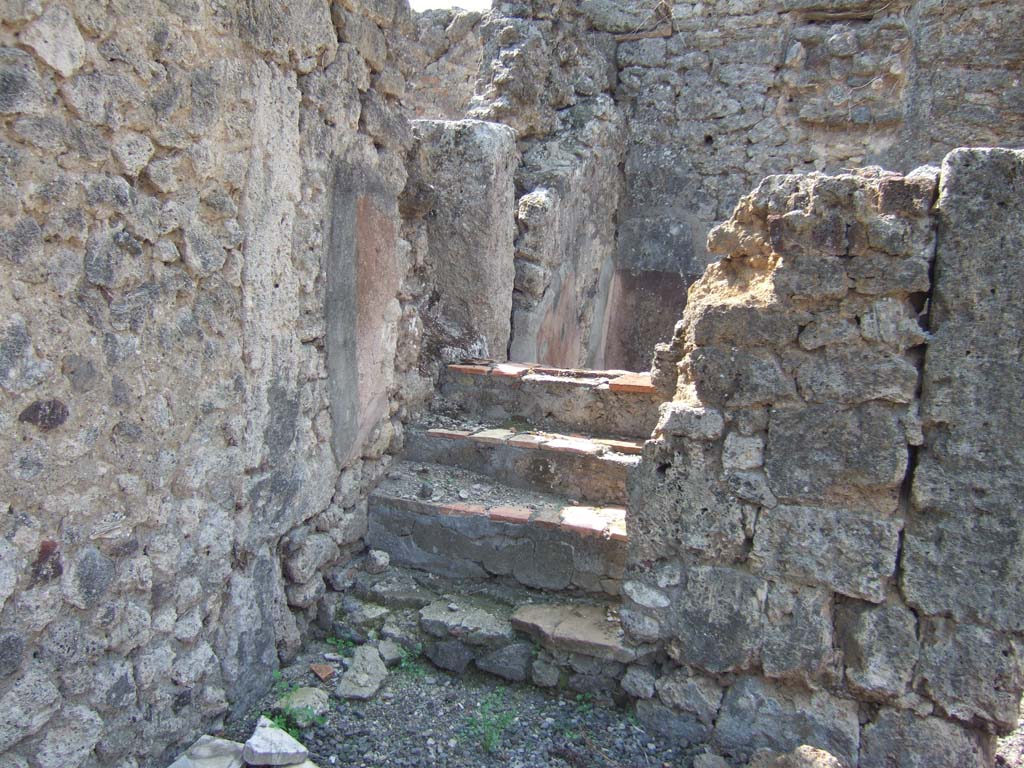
x,y
490,722
282,721
631,717
343,646
282,687
584,703
410,664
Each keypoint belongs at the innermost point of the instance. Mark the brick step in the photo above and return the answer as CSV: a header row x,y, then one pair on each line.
x,y
575,466
592,402
513,632
456,523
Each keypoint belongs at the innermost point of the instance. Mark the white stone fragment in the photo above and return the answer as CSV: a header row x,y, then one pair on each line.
x,y
269,745
55,38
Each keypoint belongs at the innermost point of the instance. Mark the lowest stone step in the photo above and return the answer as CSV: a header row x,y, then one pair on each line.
x,y
457,523
575,466
592,402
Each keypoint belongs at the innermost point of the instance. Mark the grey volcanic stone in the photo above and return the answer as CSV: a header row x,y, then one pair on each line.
x,y
717,618
757,714
86,582
904,739
798,632
70,739
511,662
28,706
452,655
364,676
545,565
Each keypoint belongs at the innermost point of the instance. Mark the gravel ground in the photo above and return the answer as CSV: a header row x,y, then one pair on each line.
x,y
423,716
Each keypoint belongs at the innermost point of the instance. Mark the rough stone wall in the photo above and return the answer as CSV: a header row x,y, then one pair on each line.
x,y
725,93
198,223
550,77
446,53
795,588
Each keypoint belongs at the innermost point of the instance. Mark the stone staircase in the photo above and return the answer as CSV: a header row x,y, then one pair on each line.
x,y
509,506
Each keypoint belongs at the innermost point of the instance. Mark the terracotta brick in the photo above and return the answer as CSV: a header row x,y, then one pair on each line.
x,y
509,370
584,520
473,370
528,440
548,518
493,436
510,514
449,434
578,446
461,509
323,671
632,447
633,382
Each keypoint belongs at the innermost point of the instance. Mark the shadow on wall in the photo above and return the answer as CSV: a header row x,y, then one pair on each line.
x,y
643,308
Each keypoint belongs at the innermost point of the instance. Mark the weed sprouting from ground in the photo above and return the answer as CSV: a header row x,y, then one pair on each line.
x,y
489,723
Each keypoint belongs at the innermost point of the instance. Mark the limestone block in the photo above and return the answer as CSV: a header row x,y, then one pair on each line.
x,y
717,618
685,508
757,714
741,452
856,376
961,543
211,752
55,38
880,648
694,421
365,675
472,624
638,681
797,633
972,673
850,552
827,451
737,377
898,737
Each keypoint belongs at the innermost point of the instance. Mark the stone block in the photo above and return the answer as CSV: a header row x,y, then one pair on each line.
x,y
452,655
364,676
545,565
827,451
28,706
716,619
856,376
691,693
680,727
880,648
726,376
972,673
685,508
797,633
899,737
696,422
849,552
758,714
512,662
269,745
638,681
55,38
314,553
70,739
741,452
964,564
